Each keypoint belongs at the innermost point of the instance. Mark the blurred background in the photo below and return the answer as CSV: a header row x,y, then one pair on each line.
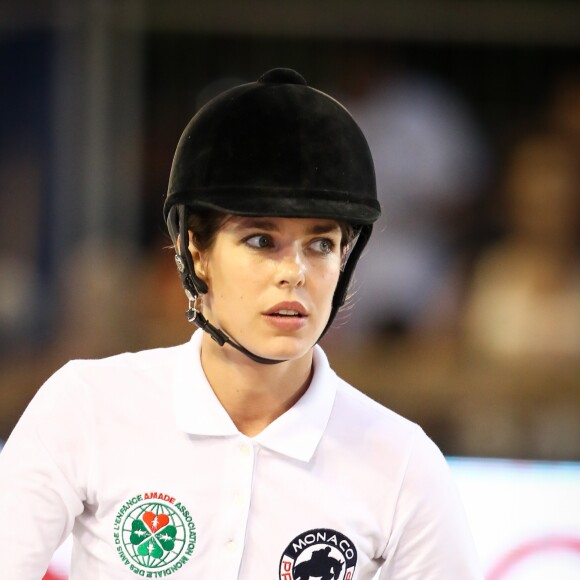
x,y
465,310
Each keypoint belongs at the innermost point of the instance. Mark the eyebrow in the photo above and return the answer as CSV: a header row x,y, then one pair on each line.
x,y
268,225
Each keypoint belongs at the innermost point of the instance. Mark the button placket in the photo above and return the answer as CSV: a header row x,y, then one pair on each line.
x,y
239,504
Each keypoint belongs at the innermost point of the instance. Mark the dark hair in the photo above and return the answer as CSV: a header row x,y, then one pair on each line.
x,y
205,225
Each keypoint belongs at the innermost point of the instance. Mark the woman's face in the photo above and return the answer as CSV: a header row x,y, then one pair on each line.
x,y
271,282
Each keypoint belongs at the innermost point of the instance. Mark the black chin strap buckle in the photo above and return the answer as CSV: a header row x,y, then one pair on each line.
x,y
216,334
194,315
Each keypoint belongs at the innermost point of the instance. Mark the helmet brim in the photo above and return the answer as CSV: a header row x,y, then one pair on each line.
x,y
280,202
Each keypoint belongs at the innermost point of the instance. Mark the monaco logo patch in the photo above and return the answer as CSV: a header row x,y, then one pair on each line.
x,y
154,534
319,554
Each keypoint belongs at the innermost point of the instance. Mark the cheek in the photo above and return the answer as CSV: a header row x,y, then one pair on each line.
x,y
230,285
327,277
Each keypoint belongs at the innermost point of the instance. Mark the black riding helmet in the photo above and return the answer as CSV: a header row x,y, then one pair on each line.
x,y
277,148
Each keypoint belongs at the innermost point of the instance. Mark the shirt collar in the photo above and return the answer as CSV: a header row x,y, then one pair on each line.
x,y
296,433
197,409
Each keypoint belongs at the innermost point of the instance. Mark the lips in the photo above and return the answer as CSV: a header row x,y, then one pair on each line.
x,y
287,310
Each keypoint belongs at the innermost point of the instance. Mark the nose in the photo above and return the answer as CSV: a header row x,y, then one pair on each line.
x,y
291,270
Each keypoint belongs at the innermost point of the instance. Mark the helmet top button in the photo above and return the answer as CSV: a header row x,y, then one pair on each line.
x,y
282,75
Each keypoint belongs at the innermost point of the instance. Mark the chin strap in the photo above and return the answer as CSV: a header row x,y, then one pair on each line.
x,y
195,316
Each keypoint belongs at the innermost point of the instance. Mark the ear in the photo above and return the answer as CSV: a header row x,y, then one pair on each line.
x,y
199,260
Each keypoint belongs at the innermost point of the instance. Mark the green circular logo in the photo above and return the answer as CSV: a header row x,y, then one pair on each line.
x,y
154,535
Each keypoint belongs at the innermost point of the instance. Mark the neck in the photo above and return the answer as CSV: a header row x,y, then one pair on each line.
x,y
253,394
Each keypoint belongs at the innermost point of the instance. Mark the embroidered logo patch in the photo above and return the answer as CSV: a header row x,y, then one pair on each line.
x,y
154,534
319,554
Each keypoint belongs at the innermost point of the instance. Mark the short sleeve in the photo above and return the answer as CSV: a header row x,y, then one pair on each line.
x,y
44,470
430,538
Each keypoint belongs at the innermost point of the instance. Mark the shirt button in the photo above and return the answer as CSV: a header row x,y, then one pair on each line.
x,y
237,498
246,449
231,545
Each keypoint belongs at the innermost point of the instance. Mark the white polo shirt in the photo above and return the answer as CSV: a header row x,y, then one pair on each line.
x,y
137,458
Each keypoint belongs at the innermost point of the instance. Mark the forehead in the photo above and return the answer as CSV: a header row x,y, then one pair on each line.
x,y
280,224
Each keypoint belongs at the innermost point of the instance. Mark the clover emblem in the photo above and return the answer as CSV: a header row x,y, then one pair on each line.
x,y
153,535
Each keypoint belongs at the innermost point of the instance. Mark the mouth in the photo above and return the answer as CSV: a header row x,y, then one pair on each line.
x,y
287,310
286,314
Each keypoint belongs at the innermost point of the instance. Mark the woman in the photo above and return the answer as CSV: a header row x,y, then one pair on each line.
x,y
240,455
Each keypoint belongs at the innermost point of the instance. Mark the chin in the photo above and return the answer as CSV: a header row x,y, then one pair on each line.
x,y
284,347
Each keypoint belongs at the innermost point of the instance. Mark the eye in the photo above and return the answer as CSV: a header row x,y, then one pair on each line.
x,y
323,245
259,241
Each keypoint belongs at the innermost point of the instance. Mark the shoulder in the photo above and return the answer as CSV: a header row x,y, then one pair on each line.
x,y
141,362
144,360
359,417
380,435
364,413
112,378
376,439
390,451
86,399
